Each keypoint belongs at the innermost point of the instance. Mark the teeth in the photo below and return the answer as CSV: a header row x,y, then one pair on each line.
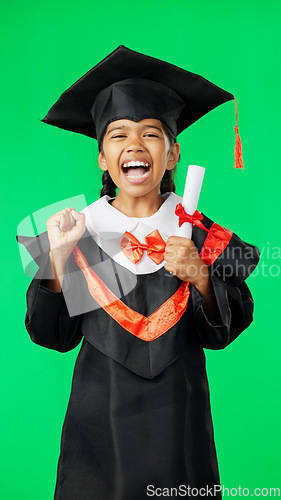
x,y
135,164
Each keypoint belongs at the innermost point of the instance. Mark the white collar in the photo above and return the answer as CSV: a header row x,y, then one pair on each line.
x,y
107,225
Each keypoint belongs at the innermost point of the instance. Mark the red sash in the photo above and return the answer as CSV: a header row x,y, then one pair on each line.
x,y
168,314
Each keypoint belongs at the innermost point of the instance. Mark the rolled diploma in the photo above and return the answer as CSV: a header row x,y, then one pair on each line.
x,y
193,183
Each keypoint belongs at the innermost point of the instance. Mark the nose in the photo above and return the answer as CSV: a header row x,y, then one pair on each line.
x,y
135,144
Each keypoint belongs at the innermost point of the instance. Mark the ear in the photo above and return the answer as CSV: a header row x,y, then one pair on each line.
x,y
102,161
173,156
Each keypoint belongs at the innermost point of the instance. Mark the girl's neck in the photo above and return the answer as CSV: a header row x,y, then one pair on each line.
x,y
143,206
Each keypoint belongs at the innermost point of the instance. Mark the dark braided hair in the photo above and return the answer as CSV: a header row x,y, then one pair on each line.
x,y
109,187
167,183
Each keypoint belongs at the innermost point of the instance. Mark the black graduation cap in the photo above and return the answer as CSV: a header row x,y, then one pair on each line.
x,y
128,84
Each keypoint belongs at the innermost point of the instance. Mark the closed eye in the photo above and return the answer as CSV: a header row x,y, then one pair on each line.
x,y
146,135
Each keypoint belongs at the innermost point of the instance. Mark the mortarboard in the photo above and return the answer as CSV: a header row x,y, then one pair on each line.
x,y
128,84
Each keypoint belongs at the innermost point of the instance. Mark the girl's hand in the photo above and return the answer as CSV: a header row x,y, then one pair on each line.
x,y
182,260
65,228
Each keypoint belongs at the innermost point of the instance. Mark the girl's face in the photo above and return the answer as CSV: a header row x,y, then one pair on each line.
x,y
136,155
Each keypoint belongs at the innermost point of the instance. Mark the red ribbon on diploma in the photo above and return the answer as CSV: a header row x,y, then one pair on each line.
x,y
194,219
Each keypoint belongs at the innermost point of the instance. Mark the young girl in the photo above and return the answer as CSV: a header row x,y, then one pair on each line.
x,y
143,301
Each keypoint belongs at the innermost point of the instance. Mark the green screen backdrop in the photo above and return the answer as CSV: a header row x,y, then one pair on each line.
x,y
47,46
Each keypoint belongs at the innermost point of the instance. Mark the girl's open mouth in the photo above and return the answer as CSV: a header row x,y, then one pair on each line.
x,y
136,171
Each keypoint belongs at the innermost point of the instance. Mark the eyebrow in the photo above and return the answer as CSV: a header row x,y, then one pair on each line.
x,y
125,126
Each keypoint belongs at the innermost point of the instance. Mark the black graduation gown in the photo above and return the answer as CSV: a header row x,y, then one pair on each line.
x,y
139,411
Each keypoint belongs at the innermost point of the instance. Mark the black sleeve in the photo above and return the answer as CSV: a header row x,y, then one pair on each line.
x,y
235,305
234,300
47,319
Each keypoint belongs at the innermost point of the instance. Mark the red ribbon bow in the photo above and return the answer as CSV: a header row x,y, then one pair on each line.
x,y
133,249
194,219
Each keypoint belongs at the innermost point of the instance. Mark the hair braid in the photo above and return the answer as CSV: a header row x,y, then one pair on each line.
x,y
167,184
109,188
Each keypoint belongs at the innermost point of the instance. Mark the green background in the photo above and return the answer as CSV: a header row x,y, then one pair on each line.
x,y
45,48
